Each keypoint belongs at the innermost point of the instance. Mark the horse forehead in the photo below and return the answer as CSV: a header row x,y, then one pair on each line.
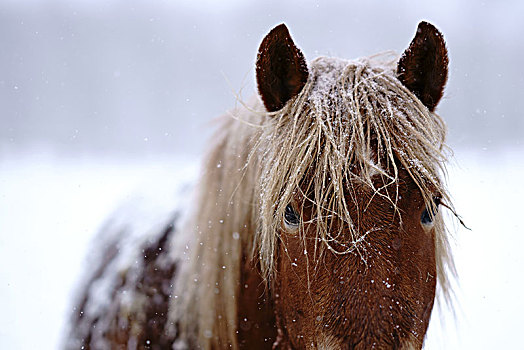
x,y
326,72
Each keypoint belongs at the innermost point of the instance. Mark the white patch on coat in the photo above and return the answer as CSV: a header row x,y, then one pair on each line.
x,y
328,342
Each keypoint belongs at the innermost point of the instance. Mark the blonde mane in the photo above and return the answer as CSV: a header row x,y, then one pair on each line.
x,y
353,121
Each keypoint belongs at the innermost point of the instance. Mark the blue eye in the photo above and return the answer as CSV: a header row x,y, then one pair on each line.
x,y
427,218
291,217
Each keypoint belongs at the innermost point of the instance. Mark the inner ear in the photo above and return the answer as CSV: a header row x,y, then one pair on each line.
x,y
423,67
281,69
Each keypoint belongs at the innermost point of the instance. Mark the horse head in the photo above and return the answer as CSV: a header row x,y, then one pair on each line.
x,y
351,242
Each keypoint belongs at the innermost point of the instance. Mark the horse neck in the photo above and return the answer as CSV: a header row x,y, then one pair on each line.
x,y
227,300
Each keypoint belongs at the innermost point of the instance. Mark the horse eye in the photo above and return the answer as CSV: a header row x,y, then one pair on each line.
x,y
427,218
291,217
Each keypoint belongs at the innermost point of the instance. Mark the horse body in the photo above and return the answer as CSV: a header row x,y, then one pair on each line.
x,y
314,225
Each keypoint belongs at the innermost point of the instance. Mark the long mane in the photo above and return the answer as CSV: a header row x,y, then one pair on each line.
x,y
353,121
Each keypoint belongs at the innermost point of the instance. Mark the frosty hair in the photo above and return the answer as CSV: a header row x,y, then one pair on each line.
x,y
348,115
353,120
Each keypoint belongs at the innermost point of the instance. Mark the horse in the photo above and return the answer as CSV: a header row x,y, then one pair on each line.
x,y
315,223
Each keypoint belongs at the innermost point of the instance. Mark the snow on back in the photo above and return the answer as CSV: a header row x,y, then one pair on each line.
x,y
118,249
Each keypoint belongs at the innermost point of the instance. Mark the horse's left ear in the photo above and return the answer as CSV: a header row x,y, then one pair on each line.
x,y
423,67
281,69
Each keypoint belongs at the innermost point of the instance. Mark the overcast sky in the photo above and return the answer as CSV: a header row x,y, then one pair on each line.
x,y
147,76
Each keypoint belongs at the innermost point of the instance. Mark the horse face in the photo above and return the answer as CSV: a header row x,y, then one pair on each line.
x,y
380,295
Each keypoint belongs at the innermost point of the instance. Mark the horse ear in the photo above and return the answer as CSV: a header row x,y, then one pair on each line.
x,y
281,69
423,67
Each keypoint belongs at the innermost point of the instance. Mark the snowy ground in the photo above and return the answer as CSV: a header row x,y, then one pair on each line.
x,y
51,207
488,195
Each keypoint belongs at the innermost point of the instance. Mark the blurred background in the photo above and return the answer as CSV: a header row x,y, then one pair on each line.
x,y
98,98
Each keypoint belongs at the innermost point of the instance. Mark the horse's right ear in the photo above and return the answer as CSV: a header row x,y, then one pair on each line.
x,y
281,69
